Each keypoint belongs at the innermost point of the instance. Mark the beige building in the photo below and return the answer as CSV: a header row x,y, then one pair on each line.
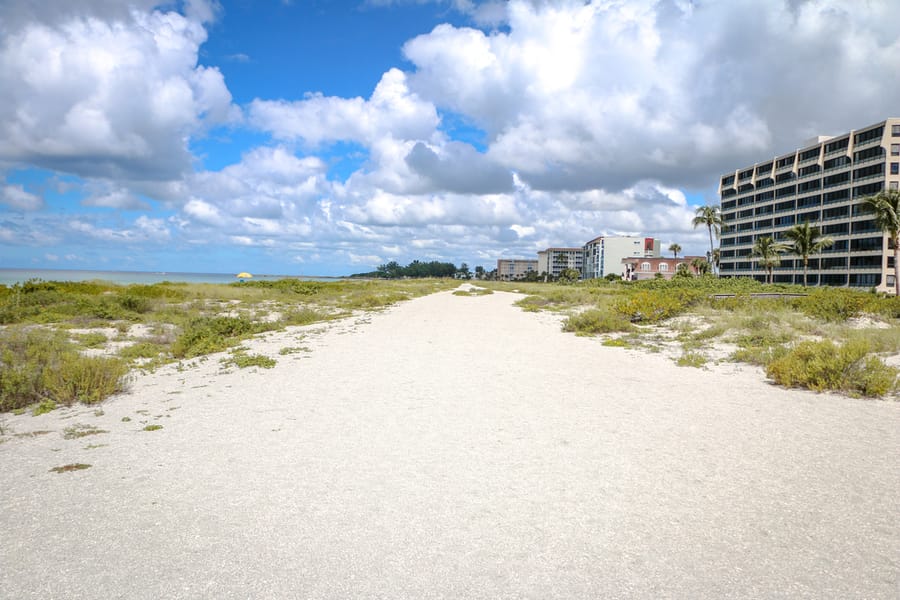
x,y
822,184
554,261
509,269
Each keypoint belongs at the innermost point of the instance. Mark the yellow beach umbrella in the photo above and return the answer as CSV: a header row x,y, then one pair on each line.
x,y
243,275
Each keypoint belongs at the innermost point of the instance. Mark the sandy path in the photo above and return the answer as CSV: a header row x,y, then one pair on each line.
x,y
456,447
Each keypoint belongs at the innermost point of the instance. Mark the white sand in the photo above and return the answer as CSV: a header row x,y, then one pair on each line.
x,y
456,447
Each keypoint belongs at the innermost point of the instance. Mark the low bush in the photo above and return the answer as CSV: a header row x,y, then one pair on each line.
x,y
85,379
205,335
824,366
833,304
593,321
242,360
691,359
654,305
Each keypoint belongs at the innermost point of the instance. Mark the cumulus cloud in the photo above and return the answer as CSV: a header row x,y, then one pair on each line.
x,y
392,111
120,199
115,95
600,95
16,198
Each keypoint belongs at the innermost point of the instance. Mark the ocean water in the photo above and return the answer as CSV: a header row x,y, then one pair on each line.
x,y
13,276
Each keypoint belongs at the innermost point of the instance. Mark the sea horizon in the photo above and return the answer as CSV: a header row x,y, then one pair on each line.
x,y
13,275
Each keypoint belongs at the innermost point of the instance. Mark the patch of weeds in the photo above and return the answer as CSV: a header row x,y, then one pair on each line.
x,y
293,350
691,359
477,291
32,433
242,360
616,343
152,427
654,305
593,321
70,467
43,408
126,419
94,339
824,366
99,413
80,430
18,411
93,446
142,350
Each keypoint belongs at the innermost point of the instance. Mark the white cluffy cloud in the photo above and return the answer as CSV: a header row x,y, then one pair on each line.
x,y
113,97
16,198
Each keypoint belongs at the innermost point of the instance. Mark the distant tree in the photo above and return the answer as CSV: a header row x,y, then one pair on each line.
x,y
711,218
479,272
612,277
768,251
567,276
701,267
683,270
885,205
674,249
531,276
806,240
463,271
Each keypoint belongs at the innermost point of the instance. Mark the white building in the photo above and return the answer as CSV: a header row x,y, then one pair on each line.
x,y
604,255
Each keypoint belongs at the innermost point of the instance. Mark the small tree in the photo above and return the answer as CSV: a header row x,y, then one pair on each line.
x,y
768,251
885,206
806,240
701,266
567,276
674,249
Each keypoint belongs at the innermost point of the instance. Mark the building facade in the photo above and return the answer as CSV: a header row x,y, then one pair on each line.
x,y
648,267
823,184
603,255
510,269
554,261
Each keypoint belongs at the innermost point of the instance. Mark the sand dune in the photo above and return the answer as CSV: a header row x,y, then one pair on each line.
x,y
455,447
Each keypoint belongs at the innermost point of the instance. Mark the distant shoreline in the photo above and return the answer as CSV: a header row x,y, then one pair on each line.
x,y
11,276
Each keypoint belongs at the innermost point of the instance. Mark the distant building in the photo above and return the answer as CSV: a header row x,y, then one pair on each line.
x,y
554,261
509,269
603,255
639,268
823,184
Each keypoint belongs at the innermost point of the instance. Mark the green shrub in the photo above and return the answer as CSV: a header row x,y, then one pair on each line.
x,y
242,360
142,350
94,339
691,359
593,321
134,303
616,343
43,408
85,379
303,316
833,304
153,427
825,366
206,335
654,305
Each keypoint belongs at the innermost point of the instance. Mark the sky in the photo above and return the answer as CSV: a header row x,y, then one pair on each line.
x,y
314,137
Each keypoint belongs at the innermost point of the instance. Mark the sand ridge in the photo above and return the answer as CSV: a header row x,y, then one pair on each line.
x,y
455,447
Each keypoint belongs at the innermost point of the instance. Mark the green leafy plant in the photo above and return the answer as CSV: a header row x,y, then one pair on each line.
x,y
152,427
593,321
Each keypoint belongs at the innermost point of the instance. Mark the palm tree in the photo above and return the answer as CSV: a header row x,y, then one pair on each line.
x,y
768,251
886,208
806,240
701,266
675,249
710,217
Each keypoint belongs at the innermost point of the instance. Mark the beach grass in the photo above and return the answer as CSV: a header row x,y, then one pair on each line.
x,y
775,327
43,363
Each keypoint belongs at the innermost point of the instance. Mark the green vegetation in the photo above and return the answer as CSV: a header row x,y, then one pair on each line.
x,y
885,207
80,430
772,326
240,359
415,269
475,291
153,427
41,365
70,467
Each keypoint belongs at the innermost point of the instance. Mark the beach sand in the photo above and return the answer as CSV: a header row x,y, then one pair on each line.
x,y
454,447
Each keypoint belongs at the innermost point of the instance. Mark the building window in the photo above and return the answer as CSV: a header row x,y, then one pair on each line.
x,y
895,168
895,130
663,266
645,266
895,149
894,185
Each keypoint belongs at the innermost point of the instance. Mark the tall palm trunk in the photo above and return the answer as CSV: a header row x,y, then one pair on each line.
x,y
805,268
895,241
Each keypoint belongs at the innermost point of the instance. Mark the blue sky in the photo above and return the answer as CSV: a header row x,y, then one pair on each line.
x,y
316,137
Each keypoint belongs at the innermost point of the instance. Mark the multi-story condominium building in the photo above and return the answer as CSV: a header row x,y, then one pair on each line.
x,y
509,269
603,255
822,184
649,267
554,261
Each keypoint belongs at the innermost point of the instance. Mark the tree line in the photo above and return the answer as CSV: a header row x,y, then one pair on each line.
x,y
417,269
